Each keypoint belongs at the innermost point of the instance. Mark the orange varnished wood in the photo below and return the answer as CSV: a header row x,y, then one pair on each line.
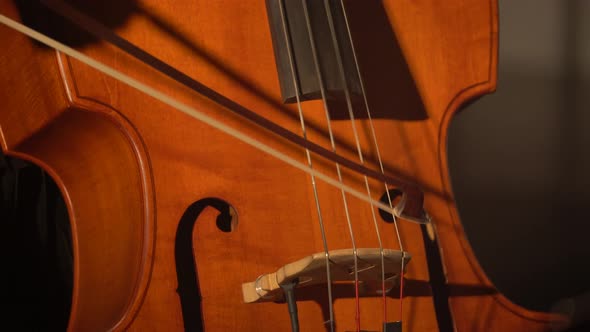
x,y
130,166
99,163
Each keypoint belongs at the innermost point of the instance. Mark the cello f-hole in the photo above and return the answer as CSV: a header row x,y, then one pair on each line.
x,y
186,268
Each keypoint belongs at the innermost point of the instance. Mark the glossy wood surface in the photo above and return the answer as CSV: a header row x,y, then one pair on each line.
x,y
130,166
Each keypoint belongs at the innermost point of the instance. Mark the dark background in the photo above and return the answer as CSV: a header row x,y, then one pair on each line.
x,y
519,158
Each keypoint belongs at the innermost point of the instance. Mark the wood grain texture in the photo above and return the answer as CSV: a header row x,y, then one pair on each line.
x,y
130,166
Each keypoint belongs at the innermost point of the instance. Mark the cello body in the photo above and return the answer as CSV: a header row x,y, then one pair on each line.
x,y
131,169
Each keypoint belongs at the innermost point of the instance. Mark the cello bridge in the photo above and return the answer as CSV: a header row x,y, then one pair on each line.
x,y
312,271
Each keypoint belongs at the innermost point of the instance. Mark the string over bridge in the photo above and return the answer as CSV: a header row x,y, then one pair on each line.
x,y
311,270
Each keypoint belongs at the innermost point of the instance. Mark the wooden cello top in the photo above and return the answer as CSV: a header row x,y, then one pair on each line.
x,y
132,169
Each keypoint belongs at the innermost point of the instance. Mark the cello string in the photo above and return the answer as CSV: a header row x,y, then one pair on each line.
x,y
357,142
294,76
375,142
371,126
333,146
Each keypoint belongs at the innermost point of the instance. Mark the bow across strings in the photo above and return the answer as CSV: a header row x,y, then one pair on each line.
x,y
410,191
202,117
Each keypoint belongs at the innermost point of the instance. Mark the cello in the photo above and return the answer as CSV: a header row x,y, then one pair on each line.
x,y
204,225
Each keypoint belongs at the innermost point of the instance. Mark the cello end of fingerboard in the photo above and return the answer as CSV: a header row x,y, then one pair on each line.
x,y
289,28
